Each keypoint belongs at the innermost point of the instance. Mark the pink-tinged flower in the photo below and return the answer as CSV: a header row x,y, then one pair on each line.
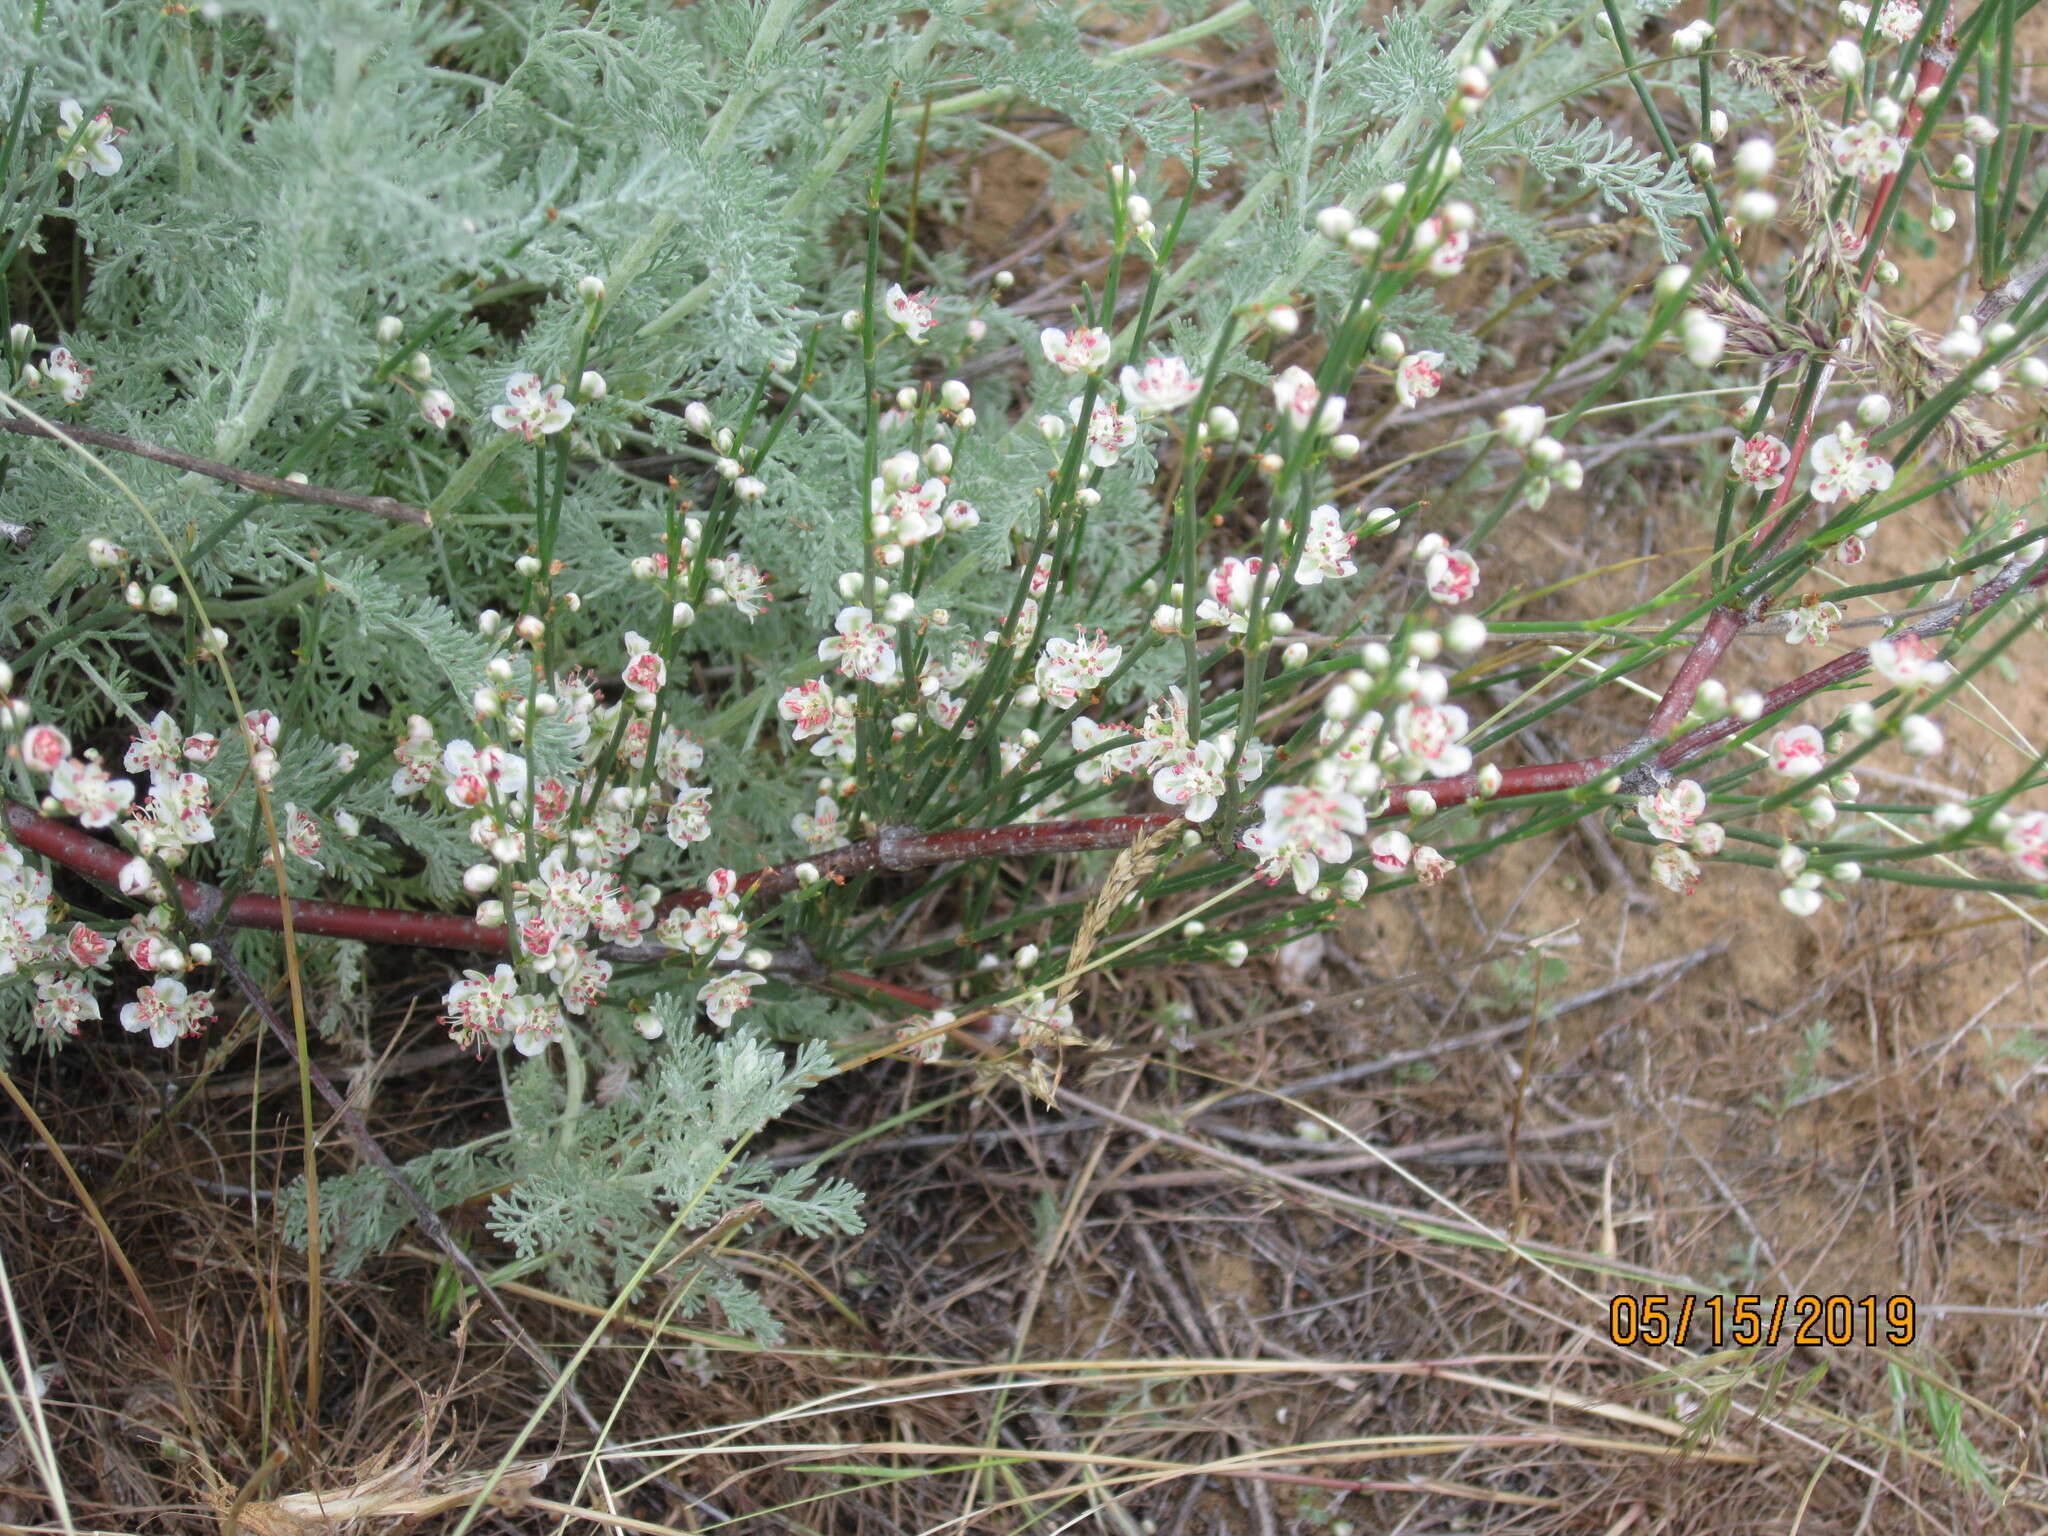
x,y
677,757
1674,869
908,312
863,648
1906,660
1041,576
1326,553
1082,350
645,671
1110,431
88,146
85,947
1898,20
1431,867
960,516
1164,384
201,746
689,819
807,707
1853,550
1708,839
474,773
530,410
24,910
301,834
167,1011
2026,840
723,996
1452,576
71,377
85,790
921,1038
1229,588
261,728
1844,466
418,757
1392,850
1304,828
1418,376
1303,406
156,750
1760,461
437,409
1673,811
1428,733
480,1010
177,815
1798,752
535,1026
745,586
1448,258
1812,623
819,828
1867,151
1042,1022
1192,779
44,747
1067,669
62,1003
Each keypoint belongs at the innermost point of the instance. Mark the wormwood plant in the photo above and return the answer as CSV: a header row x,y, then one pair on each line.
x,y
542,483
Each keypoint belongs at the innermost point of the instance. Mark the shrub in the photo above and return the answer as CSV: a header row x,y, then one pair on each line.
x,y
526,481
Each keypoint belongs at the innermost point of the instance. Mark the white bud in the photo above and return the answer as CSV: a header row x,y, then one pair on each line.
x,y
1962,168
1294,656
1717,125
1845,59
1691,38
1465,633
420,367
850,322
954,395
1754,159
1362,241
479,878
1336,222
526,565
1345,445
1791,861
1283,319
1235,953
899,607
1427,645
1748,705
1703,337
1421,802
1222,423
498,669
748,488
1005,279
1919,736
939,458
163,602
1979,129
1052,428
807,874
200,952
1873,410
530,628
135,878
964,418
590,287
592,384
1391,346
1166,620
1487,780
1088,496
1700,156
1754,207
506,849
1988,381
1139,210
1941,219
697,417
2032,372
389,329
132,594
1380,520
104,554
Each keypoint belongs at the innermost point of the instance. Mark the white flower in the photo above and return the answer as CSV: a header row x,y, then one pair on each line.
x,y
1163,385
1898,20
1303,829
1843,466
1674,869
1229,588
910,312
1800,900
1452,576
1907,661
1082,350
864,647
723,996
1110,431
1673,811
1068,669
1867,151
1447,256
1192,779
1798,752
1418,376
71,377
1521,425
2026,840
93,148
530,410
1811,624
1326,554
475,772
86,790
1760,461
1302,405
437,408
1429,734
167,1011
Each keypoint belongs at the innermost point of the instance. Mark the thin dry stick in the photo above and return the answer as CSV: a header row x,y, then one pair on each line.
x,y
249,480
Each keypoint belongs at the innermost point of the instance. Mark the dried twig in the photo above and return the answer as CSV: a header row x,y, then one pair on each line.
x,y
248,480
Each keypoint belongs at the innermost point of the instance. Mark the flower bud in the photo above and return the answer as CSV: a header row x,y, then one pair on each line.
x,y
1336,222
530,628
389,329
1919,736
1700,156
850,322
1487,780
1748,706
590,288
1754,159
1691,38
1941,218
479,878
1363,241
1465,633
1235,953
1345,445
1845,60
954,395
163,602
1755,207
592,385
1717,125
1979,129
1052,428
1380,520
1283,319
1222,423
420,367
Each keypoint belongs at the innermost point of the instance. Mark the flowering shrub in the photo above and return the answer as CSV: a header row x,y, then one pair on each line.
x,y
575,551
